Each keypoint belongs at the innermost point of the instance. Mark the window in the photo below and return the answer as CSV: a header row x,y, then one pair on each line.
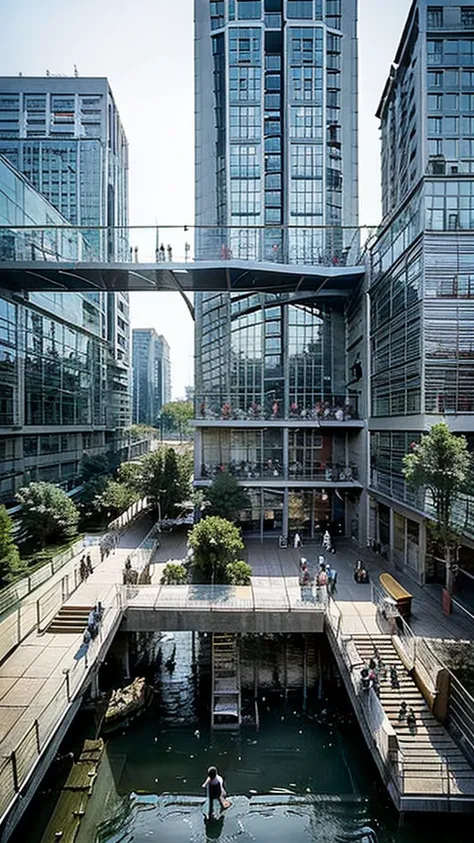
x,y
435,52
435,79
302,9
434,17
435,102
435,125
467,16
249,9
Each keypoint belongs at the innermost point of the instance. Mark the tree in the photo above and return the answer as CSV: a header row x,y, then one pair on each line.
x,y
95,465
174,573
116,497
238,573
226,498
165,477
47,512
176,417
130,473
441,464
215,543
11,566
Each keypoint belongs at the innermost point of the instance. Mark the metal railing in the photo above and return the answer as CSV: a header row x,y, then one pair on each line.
x,y
129,515
18,764
272,469
336,246
225,598
234,407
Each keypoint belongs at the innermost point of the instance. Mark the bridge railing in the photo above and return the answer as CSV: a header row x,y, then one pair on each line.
x,y
225,598
309,245
17,765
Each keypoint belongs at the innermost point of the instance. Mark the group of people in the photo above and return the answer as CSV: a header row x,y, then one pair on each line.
x,y
93,622
326,575
85,567
372,674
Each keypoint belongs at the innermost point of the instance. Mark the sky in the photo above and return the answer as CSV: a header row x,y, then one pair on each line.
x,y
145,48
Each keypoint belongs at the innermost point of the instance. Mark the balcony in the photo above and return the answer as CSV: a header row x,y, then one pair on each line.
x,y
272,472
214,410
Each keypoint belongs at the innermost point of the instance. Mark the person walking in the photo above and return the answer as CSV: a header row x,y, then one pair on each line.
x,y
214,785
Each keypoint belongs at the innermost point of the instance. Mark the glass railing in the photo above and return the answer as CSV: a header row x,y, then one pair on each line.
x,y
225,407
272,469
335,246
226,598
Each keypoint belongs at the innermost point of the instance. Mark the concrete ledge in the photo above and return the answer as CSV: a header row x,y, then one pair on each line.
x,y
225,620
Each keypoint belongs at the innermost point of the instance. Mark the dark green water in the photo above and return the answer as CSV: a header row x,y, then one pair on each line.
x,y
304,777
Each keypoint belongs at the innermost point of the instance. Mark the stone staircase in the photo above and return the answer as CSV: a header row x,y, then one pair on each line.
x,y
432,762
71,619
226,698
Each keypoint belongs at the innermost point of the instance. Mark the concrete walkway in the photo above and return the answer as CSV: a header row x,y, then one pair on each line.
x,y
33,677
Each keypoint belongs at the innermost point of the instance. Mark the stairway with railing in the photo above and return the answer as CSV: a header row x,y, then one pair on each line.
x,y
226,694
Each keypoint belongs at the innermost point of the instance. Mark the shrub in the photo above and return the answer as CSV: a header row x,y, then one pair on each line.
x,y
238,573
174,573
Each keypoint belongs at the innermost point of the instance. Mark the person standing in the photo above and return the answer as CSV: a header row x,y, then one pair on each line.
x,y
297,542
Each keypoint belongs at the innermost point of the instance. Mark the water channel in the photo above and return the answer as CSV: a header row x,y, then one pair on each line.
x,y
304,776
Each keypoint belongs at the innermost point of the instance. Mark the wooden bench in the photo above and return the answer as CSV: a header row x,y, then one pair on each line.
x,y
401,596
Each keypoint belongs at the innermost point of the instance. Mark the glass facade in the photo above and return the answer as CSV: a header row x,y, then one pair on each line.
x,y
275,163
422,270
53,354
151,375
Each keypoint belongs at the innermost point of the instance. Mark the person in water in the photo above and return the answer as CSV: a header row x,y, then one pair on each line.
x,y
215,789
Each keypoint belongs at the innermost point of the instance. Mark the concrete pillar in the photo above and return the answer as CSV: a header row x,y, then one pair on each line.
x,y
94,686
197,453
284,528
126,657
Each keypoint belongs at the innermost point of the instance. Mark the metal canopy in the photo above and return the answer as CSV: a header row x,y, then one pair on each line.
x,y
218,276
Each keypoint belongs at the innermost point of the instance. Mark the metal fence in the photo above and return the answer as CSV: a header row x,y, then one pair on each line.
x,y
129,515
224,598
17,766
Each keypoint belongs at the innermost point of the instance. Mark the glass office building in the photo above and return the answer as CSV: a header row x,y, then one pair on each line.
x,y
53,355
151,368
422,265
65,135
276,181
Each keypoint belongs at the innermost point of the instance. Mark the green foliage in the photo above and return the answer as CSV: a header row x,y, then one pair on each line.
x,y
174,573
215,542
95,465
11,566
47,512
164,476
116,497
238,573
91,490
176,417
226,498
137,432
441,464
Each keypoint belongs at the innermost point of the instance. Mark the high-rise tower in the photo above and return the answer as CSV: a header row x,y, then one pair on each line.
x,y
276,181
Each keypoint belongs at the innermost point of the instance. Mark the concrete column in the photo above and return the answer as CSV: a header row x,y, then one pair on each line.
x,y
285,452
197,452
94,686
126,657
285,512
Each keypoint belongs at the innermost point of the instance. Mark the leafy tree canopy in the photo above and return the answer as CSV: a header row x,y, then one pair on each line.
x,y
11,566
47,512
441,463
116,497
215,542
141,431
163,475
95,465
226,498
176,416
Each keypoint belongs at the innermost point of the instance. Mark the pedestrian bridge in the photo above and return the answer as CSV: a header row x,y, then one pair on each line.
x,y
324,261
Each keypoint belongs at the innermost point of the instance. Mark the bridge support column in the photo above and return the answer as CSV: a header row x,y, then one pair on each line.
x,y
95,689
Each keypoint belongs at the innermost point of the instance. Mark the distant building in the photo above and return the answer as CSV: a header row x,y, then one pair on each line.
x,y
65,135
151,375
189,393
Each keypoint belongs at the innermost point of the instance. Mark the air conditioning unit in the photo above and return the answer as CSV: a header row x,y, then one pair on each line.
x,y
454,169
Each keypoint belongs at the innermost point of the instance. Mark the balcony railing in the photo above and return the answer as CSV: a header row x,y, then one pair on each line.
x,y
335,246
332,408
329,472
